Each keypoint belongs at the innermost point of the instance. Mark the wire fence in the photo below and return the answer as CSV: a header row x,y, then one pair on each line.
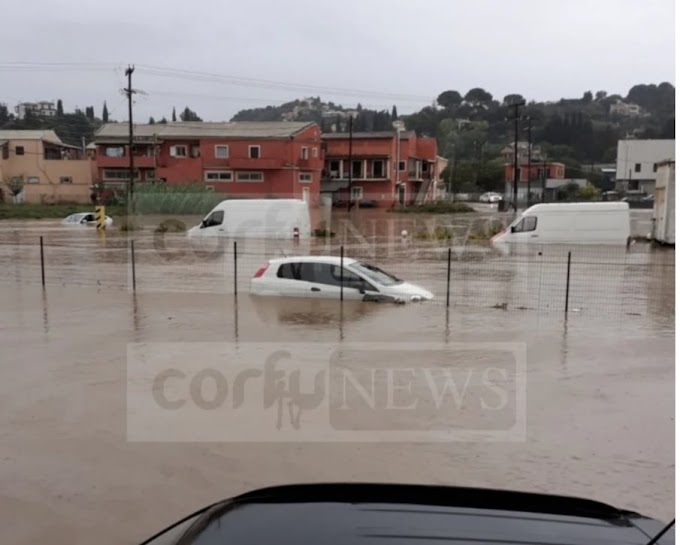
x,y
595,281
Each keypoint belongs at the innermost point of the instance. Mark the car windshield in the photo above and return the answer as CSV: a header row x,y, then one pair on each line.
x,y
375,274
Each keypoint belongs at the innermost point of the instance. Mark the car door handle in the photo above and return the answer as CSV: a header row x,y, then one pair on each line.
x,y
534,236
316,289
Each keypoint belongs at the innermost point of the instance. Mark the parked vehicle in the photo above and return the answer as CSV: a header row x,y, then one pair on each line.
x,y
322,276
490,197
256,218
378,513
368,203
85,219
569,223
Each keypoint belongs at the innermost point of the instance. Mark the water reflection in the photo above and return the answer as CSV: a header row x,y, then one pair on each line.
x,y
46,322
310,312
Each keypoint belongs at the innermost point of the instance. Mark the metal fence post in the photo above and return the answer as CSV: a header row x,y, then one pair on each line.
x,y
342,274
566,299
132,260
235,269
448,279
42,262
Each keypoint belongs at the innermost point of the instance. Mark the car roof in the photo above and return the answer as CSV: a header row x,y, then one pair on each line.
x,y
340,513
332,259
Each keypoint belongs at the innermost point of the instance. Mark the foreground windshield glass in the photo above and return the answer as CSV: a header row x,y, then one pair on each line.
x,y
375,274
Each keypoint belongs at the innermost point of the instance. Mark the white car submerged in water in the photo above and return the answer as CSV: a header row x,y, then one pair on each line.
x,y
85,219
322,277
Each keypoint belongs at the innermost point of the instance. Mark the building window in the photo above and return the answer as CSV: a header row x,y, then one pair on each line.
x,y
304,153
195,151
305,177
114,151
655,167
250,176
65,180
254,152
221,152
32,180
357,170
178,151
315,152
334,167
402,166
378,169
19,150
357,193
638,167
218,176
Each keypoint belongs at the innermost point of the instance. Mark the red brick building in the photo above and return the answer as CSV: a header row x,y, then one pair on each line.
x,y
552,171
376,156
254,159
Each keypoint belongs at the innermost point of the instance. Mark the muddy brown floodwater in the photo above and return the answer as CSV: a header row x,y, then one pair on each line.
x,y
599,391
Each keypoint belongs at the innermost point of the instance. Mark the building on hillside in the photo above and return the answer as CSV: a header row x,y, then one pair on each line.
x,y
636,163
626,109
43,108
51,171
389,167
250,159
508,152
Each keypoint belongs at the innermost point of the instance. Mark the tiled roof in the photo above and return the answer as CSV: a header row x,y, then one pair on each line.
x,y
378,134
191,129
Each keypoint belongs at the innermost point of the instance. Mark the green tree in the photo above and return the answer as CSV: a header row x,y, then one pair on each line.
x,y
477,95
449,99
588,193
152,121
4,114
600,95
587,97
395,116
174,115
105,113
89,112
513,98
163,120
189,115
60,108
15,185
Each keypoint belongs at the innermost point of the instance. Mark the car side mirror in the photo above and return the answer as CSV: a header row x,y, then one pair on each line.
x,y
362,290
513,229
204,224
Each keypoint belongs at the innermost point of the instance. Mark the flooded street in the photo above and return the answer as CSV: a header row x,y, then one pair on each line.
x,y
598,384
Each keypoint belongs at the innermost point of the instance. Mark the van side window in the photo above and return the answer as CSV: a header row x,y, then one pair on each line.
x,y
216,218
528,223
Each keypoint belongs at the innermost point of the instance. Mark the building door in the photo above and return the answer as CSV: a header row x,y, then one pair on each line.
x,y
305,194
401,194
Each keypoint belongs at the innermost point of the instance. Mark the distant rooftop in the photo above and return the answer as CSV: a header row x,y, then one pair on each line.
x,y
378,134
18,134
195,129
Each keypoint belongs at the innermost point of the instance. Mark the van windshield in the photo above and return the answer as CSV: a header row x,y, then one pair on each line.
x,y
374,273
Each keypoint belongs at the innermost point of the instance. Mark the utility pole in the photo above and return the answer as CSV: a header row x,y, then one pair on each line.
x,y
516,106
545,176
529,162
131,186
351,165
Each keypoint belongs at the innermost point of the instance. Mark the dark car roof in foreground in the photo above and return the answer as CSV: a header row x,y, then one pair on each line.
x,y
379,513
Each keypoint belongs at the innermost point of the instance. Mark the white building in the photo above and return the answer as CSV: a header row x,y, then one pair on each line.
x,y
636,163
44,108
626,109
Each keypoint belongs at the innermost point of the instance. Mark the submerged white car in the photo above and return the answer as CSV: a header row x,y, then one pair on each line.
x,y
490,197
321,277
86,219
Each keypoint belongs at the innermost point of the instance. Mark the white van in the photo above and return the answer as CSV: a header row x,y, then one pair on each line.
x,y
569,223
256,218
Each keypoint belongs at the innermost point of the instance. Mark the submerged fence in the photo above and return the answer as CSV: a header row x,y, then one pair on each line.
x,y
597,281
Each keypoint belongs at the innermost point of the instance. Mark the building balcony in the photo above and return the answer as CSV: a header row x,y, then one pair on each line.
x,y
124,162
246,163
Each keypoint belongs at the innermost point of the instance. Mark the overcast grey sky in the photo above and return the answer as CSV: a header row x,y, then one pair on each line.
x,y
383,51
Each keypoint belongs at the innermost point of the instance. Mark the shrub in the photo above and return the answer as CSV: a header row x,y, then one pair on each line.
x,y
439,207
